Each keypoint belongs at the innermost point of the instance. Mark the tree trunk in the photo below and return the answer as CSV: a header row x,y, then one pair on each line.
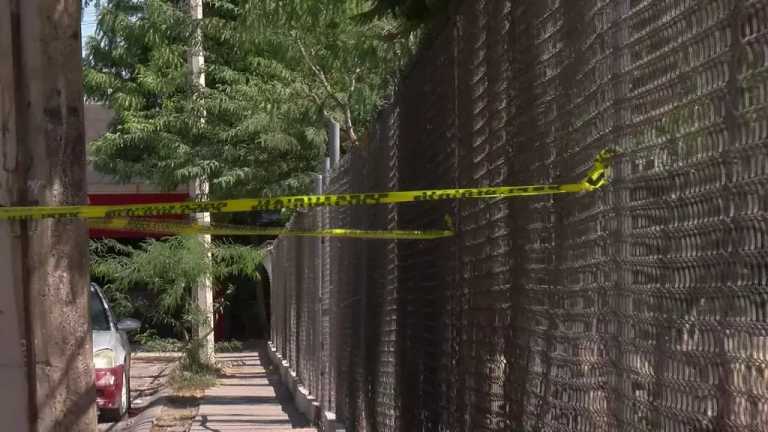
x,y
42,152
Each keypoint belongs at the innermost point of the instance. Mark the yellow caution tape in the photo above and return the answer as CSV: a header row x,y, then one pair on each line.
x,y
596,177
182,228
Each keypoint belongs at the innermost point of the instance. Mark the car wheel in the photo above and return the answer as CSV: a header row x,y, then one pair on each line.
x,y
115,414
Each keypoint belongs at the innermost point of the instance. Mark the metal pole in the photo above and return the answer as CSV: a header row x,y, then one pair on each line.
x,y
334,143
204,289
318,356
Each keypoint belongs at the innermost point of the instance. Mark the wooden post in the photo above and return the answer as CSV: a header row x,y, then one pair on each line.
x,y
204,289
46,359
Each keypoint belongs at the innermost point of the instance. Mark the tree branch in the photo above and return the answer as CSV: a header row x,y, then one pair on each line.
x,y
305,88
344,107
320,75
349,126
352,85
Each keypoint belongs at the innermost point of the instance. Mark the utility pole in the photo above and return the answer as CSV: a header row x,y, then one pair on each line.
x,y
199,189
46,370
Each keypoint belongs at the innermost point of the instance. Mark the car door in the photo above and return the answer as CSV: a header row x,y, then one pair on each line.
x,y
120,345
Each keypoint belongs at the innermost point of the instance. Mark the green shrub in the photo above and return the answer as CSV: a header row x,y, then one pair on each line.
x,y
149,341
167,270
229,346
182,380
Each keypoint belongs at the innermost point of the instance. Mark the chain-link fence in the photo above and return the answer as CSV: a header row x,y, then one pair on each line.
x,y
642,306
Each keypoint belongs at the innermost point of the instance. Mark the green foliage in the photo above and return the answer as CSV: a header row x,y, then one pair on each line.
x,y
275,70
229,346
342,66
413,14
167,270
149,341
198,377
237,260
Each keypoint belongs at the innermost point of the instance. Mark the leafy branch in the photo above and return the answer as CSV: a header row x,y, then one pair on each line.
x,y
343,106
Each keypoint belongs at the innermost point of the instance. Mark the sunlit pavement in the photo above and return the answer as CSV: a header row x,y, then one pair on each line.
x,y
248,398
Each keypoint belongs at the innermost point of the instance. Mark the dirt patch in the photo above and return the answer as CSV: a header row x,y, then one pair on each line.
x,y
178,412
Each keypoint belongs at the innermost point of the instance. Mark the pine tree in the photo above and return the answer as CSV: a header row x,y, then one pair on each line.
x,y
275,70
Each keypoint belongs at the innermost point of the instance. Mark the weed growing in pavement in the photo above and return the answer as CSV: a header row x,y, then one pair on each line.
x,y
182,381
194,371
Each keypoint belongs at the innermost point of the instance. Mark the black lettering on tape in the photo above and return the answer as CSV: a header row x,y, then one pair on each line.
x,y
319,201
67,215
189,208
355,199
170,209
121,213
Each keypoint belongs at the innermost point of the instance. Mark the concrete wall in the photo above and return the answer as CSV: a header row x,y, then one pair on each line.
x,y
97,120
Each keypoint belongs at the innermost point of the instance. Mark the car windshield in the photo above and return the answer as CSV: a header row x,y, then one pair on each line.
x,y
99,320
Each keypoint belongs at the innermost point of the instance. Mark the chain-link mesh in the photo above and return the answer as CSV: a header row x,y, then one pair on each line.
x,y
640,307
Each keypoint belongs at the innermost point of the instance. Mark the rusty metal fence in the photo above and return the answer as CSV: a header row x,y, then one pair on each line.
x,y
640,307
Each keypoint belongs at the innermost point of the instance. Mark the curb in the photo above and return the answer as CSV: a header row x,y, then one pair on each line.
x,y
150,355
306,402
144,421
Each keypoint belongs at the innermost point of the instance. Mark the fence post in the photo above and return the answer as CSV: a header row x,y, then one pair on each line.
x,y
318,270
334,143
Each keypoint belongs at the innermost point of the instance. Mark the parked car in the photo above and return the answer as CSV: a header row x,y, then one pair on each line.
x,y
111,357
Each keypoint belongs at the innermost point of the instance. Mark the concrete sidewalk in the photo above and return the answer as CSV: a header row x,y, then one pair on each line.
x,y
247,399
